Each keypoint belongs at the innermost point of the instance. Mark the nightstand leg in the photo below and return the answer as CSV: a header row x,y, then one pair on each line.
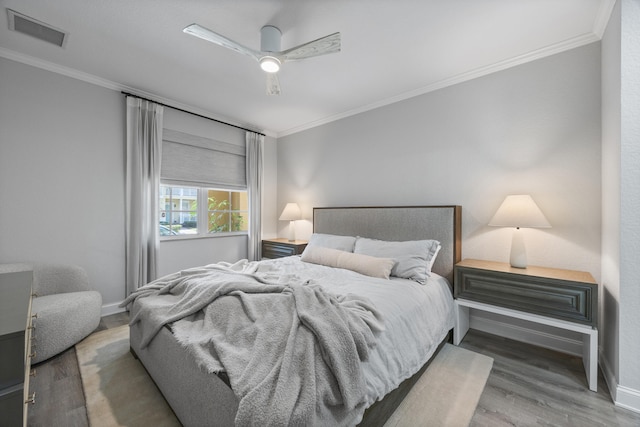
x,y
462,323
590,358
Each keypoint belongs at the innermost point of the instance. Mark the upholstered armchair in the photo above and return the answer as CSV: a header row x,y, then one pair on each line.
x,y
66,308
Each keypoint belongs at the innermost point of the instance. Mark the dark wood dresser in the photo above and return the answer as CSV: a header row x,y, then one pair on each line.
x,y
15,345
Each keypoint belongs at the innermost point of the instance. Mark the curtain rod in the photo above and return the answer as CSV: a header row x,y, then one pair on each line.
x,y
190,112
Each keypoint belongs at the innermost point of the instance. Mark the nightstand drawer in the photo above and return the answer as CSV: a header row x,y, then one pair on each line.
x,y
570,300
270,250
279,248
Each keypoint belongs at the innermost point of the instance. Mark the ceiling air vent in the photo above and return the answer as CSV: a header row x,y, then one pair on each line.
x,y
32,27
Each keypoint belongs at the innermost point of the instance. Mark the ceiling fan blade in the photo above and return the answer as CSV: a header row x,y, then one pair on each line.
x,y
273,85
213,37
321,46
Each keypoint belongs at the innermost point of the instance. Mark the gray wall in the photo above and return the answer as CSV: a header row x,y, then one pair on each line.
x,y
531,129
610,290
630,197
621,203
62,174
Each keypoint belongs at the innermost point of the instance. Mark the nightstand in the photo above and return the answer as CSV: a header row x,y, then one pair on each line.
x,y
564,299
279,248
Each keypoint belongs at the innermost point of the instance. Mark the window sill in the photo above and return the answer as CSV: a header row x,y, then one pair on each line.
x,y
183,237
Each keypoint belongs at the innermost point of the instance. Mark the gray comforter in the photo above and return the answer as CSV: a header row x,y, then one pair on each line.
x,y
292,351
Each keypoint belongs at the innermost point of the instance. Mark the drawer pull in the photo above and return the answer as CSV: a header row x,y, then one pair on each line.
x,y
34,294
35,315
32,355
31,399
32,373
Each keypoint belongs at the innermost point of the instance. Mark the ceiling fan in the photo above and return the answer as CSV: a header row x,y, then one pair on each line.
x,y
269,56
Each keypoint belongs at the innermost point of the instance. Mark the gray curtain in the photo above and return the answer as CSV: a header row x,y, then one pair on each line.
x,y
254,188
144,154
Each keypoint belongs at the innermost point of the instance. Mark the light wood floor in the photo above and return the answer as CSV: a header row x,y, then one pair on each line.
x,y
533,386
528,386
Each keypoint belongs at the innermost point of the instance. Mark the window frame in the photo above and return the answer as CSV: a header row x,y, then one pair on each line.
x,y
202,212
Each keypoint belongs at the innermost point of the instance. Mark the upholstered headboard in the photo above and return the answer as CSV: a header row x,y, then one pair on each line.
x,y
399,223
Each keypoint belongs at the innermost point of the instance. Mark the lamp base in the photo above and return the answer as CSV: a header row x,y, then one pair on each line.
x,y
518,258
292,231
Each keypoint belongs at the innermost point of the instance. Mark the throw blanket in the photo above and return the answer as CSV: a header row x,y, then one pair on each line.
x,y
292,352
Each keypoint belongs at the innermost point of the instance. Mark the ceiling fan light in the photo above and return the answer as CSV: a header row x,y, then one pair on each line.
x,y
270,64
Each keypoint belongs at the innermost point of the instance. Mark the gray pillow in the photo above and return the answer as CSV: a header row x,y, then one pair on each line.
x,y
414,258
332,241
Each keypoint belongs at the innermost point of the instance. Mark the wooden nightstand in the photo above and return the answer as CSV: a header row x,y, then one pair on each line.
x,y
279,248
564,299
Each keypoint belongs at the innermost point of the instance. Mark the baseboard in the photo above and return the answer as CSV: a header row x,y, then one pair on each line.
x,y
608,374
114,308
623,397
525,334
628,398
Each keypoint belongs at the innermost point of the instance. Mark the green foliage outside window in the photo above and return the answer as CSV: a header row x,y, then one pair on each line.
x,y
219,217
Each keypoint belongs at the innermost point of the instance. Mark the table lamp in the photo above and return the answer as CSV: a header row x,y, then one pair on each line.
x,y
519,211
291,213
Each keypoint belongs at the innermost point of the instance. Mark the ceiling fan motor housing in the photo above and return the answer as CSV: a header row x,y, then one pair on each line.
x,y
270,39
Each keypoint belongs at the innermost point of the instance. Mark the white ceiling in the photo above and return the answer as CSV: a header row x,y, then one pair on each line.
x,y
391,50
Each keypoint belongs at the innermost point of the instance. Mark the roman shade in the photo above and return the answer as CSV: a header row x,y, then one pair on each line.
x,y
191,160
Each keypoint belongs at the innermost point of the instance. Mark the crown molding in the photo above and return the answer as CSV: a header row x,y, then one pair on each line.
x,y
602,18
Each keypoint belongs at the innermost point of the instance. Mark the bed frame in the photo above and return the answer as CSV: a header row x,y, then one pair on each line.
x,y
198,398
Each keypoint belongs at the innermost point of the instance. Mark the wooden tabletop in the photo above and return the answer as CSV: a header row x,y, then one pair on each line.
x,y
285,240
531,270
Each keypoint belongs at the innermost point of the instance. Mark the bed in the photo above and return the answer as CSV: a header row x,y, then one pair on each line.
x,y
200,398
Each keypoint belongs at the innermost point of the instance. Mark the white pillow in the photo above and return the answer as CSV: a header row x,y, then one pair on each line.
x,y
414,258
342,243
363,264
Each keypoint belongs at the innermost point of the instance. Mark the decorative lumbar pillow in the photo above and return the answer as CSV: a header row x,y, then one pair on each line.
x,y
363,264
414,258
333,241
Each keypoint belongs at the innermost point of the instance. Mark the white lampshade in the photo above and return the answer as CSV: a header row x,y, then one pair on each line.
x,y
519,211
291,213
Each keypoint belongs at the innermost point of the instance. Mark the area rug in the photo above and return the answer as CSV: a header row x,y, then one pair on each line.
x,y
447,393
117,389
119,392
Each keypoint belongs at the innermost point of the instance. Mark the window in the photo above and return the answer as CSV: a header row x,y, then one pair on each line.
x,y
227,211
203,190
202,211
